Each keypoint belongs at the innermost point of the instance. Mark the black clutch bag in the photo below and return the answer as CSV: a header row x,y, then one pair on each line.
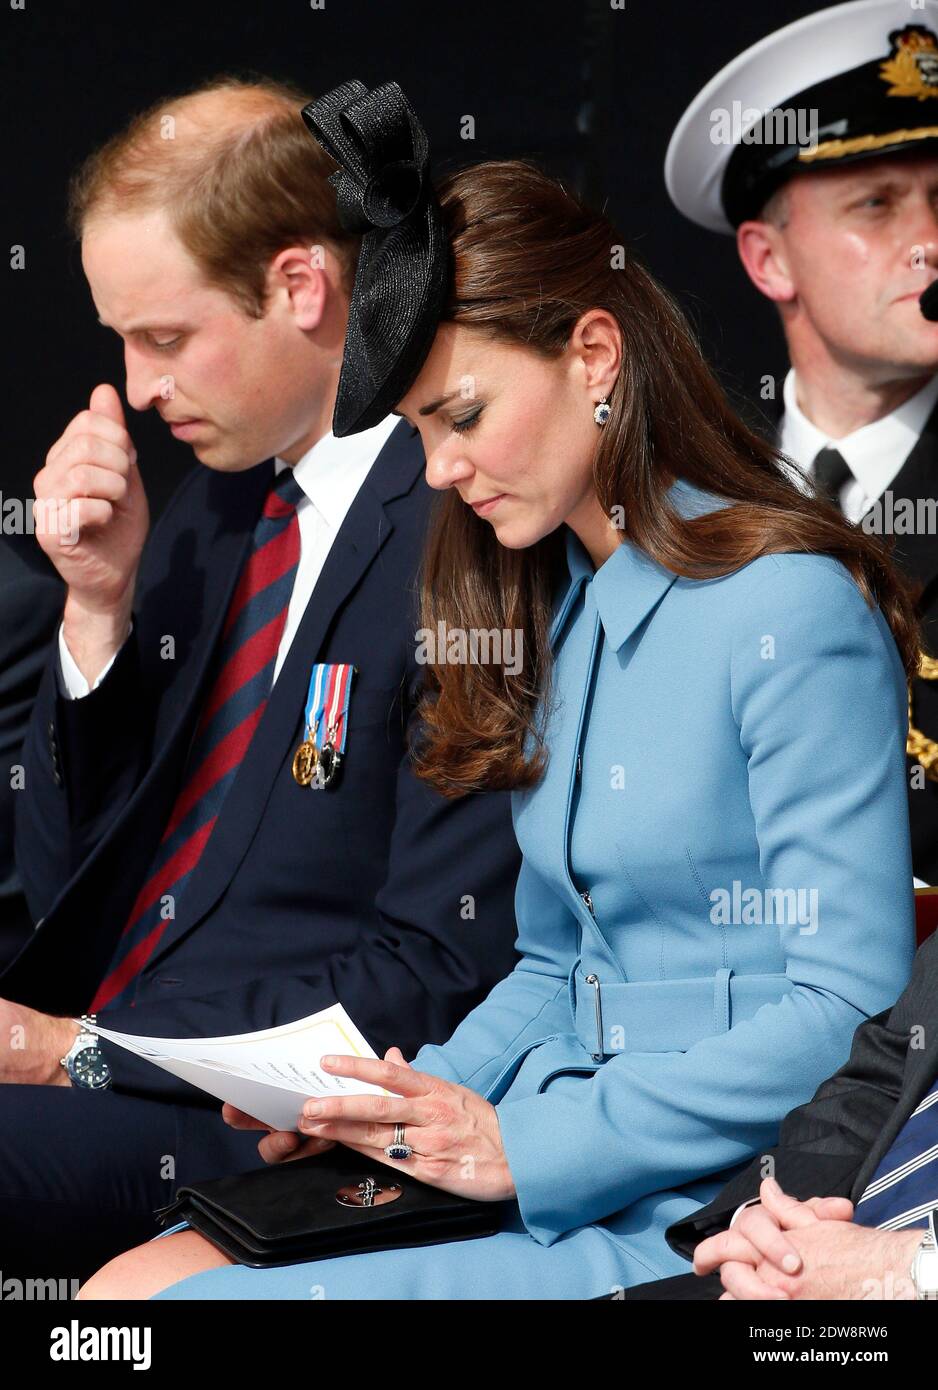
x,y
336,1203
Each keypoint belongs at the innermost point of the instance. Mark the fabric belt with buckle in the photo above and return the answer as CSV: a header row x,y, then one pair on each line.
x,y
666,1015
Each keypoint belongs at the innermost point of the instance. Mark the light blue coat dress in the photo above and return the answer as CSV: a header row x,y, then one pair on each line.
x,y
716,890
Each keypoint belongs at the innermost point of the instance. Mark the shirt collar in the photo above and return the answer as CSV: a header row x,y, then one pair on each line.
x,y
332,471
874,453
630,583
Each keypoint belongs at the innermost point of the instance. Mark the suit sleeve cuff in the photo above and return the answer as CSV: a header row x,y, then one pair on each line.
x,y
72,684
566,1172
753,1202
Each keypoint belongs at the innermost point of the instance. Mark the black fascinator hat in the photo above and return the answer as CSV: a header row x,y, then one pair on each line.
x,y
383,190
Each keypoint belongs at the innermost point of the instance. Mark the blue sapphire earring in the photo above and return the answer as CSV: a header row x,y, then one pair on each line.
x,y
603,411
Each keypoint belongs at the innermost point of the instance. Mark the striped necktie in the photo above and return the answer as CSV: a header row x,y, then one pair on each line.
x,y
904,1188
244,674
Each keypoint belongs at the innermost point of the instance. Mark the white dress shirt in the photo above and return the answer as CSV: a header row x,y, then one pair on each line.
x,y
874,453
330,474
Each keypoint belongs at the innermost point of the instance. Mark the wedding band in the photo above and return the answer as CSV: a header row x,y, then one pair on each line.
x,y
398,1149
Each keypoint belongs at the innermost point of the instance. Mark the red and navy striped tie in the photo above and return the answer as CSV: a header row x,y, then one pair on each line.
x,y
244,675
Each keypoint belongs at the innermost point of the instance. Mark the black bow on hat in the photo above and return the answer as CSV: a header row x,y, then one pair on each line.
x,y
383,190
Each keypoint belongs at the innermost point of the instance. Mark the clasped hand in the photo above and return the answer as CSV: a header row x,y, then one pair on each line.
x,y
786,1249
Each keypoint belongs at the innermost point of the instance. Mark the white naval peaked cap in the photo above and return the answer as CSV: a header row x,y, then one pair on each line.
x,y
815,57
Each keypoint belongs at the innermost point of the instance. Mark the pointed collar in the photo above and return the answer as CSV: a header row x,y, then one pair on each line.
x,y
627,586
874,453
332,471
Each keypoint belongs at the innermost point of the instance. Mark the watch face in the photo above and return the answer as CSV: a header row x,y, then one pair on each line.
x,y
90,1069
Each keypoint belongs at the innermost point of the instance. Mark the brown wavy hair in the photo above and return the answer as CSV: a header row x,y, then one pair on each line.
x,y
529,258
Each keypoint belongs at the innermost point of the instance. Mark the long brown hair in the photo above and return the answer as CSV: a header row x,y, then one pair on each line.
x,y
528,259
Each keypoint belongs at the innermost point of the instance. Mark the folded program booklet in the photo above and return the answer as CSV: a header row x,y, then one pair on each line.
x,y
267,1074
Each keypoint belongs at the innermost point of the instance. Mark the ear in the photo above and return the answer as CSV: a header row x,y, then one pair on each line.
x,y
596,343
763,252
299,272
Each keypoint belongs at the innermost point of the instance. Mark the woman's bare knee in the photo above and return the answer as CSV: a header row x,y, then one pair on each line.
x,y
150,1268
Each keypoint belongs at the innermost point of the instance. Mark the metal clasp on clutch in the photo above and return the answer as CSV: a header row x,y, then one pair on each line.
x,y
367,1193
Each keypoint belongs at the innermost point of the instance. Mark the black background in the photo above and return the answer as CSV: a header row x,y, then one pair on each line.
x,y
592,91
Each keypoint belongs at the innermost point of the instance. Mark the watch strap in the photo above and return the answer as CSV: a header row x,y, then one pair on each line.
x,y
84,1038
924,1271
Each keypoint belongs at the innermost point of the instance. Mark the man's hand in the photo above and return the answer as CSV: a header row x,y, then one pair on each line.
x,y
838,1261
91,519
784,1249
32,1046
759,1234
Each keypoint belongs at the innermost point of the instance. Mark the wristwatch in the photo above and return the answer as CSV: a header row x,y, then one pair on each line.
x,y
924,1271
85,1062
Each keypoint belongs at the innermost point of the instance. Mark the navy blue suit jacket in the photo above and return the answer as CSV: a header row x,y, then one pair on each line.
x,y
378,893
31,598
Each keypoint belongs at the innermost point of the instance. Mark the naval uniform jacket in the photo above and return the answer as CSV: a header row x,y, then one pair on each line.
x,y
916,555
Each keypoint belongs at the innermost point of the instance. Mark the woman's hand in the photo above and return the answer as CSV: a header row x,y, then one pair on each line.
x,y
453,1132
278,1145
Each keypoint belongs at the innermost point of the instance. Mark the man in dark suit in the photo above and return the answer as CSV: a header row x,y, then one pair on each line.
x,y
191,880
30,607
829,181
851,1188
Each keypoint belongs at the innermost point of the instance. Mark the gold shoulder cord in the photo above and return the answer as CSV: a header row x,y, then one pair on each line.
x,y
923,750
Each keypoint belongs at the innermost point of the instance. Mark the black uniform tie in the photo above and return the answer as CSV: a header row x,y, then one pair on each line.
x,y
831,471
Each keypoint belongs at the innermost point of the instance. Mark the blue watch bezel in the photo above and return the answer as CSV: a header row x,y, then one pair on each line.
x,y
89,1069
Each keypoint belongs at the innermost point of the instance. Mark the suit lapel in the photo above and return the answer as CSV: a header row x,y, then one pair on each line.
x,y
203,568
363,534
200,582
917,479
189,601
921,1068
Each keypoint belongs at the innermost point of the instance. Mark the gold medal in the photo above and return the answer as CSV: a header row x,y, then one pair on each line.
x,y
304,762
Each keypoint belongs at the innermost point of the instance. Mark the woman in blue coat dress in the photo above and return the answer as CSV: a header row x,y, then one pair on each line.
x,y
699,702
